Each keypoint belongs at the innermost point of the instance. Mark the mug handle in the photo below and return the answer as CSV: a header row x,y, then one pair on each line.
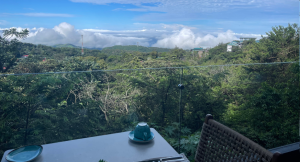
x,y
145,136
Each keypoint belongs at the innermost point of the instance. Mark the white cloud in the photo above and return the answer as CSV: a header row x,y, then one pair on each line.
x,y
257,36
176,26
65,29
163,27
40,14
66,33
157,35
187,39
19,29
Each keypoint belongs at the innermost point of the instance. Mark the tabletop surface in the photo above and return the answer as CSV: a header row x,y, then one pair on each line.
x,y
112,148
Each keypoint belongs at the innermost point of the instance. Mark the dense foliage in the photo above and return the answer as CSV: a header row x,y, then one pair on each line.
x,y
259,101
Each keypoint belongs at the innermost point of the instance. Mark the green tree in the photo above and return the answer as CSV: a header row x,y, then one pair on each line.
x,y
178,52
9,48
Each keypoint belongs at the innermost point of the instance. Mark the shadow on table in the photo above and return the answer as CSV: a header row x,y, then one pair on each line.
x,y
147,145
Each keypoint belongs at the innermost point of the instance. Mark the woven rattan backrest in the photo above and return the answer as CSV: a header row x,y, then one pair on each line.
x,y
220,143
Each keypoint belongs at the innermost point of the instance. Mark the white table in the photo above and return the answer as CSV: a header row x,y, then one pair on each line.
x,y
113,148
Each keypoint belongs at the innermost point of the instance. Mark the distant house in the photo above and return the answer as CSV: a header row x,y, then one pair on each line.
x,y
231,44
199,51
24,56
238,43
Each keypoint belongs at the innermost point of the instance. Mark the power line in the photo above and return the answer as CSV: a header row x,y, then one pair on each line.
x,y
185,67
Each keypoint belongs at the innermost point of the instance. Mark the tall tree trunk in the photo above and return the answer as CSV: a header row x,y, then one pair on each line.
x,y
26,127
105,109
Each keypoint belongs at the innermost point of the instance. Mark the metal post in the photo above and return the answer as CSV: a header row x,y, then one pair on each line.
x,y
181,87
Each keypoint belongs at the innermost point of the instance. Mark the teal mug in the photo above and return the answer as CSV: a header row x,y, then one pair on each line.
x,y
142,131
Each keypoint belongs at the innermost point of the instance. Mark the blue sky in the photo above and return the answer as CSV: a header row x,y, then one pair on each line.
x,y
162,23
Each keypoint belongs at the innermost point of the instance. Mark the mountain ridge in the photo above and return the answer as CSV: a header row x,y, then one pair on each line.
x,y
137,48
73,46
117,47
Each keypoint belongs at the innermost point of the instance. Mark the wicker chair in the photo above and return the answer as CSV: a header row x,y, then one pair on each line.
x,y
219,143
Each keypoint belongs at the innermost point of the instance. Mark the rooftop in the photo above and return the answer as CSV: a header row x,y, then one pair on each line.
x,y
233,44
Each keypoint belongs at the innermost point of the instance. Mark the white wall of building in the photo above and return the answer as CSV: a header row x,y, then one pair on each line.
x,y
229,48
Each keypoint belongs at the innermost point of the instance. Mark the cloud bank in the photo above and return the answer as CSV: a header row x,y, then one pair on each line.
x,y
155,35
66,33
187,39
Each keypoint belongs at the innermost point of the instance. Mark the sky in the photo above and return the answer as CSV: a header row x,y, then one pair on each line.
x,y
153,23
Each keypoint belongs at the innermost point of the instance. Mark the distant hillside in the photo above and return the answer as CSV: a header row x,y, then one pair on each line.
x,y
118,47
136,48
73,46
66,45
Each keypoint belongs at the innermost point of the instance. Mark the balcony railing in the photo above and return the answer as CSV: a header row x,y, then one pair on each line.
x,y
253,99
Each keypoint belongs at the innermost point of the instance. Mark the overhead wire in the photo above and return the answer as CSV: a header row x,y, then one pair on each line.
x,y
160,68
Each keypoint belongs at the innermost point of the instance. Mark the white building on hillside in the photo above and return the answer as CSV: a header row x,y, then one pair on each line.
x,y
231,44
238,43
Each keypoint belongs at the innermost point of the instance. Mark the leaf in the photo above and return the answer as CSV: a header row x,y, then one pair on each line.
x,y
185,130
170,130
36,132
